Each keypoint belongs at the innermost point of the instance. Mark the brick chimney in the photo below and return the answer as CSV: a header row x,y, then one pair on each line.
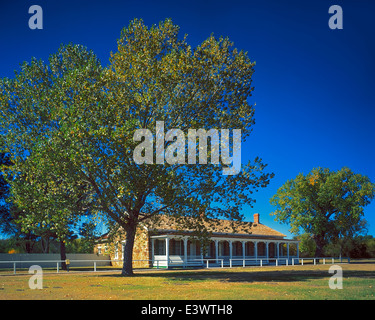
x,y
256,218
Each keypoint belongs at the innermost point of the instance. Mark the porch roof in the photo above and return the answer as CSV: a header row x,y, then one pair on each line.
x,y
218,228
225,236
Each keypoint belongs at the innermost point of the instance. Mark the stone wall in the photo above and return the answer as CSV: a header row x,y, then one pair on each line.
x,y
141,249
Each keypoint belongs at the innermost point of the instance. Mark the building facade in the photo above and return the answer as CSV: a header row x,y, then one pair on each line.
x,y
164,245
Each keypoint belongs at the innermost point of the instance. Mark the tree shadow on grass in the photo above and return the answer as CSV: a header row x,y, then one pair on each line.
x,y
266,276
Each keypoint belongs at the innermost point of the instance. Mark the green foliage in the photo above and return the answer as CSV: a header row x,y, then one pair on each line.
x,y
6,218
307,245
36,117
326,204
88,238
69,128
370,246
16,245
5,246
356,247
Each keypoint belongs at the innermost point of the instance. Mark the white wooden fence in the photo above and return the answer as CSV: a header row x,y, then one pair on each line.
x,y
207,263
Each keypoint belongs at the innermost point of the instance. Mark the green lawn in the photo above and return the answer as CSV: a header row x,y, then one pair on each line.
x,y
283,282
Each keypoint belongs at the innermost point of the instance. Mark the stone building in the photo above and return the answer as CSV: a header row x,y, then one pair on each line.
x,y
164,245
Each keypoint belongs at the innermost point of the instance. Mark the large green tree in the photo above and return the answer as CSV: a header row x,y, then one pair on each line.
x,y
35,110
9,213
328,205
79,120
6,219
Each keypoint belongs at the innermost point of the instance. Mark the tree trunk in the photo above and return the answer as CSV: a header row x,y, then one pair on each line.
x,y
320,243
45,244
127,267
28,246
29,243
63,254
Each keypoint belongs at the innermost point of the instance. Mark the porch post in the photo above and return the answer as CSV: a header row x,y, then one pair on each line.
x,y
230,249
152,251
278,250
267,250
185,251
256,250
287,250
167,250
243,249
201,249
217,250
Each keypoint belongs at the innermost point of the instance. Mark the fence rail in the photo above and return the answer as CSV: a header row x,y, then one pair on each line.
x,y
160,263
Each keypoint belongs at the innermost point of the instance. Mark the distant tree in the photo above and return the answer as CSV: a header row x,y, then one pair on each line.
x,y
357,247
307,245
88,234
350,242
370,246
324,203
5,246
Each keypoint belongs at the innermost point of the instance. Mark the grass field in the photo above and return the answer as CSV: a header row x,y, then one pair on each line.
x,y
283,282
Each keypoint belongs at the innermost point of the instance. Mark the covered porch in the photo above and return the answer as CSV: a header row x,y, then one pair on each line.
x,y
178,251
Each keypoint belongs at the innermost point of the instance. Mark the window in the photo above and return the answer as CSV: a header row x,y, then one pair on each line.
x,y
176,247
224,248
159,247
221,248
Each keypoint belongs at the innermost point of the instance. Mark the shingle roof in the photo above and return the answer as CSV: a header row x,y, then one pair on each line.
x,y
218,227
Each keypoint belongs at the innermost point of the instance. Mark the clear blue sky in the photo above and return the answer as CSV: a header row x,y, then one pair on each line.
x,y
314,87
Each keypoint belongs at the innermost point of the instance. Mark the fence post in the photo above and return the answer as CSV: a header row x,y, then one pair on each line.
x,y
302,261
14,267
314,262
261,262
277,262
94,266
333,260
292,261
230,263
222,263
207,263
57,267
243,264
324,260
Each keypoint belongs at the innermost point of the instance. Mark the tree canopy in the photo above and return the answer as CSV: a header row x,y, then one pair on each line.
x,y
6,225
327,204
69,125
